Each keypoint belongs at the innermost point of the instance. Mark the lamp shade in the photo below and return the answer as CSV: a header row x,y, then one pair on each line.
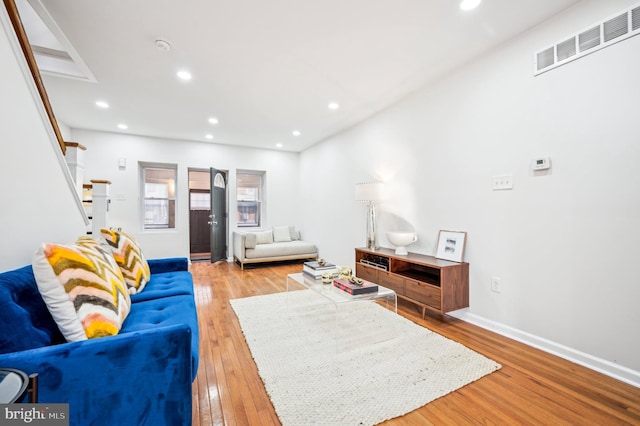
x,y
369,191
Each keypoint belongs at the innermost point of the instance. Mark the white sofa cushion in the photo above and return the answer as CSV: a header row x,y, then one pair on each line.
x,y
290,248
250,240
294,233
264,237
281,234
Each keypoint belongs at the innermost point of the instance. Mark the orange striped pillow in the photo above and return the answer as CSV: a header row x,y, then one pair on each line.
x,y
83,289
129,257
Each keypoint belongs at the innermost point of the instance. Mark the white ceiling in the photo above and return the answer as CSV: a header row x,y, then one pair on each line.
x,y
265,67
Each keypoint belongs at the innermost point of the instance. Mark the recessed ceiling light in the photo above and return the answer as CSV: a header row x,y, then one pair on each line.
x,y
123,126
213,120
102,104
279,145
469,4
208,136
296,133
333,105
184,75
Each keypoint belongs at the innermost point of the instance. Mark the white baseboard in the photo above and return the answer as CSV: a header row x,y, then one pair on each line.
x,y
600,365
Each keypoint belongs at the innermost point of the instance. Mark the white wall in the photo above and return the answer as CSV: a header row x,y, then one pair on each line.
x,y
65,131
101,162
564,243
38,205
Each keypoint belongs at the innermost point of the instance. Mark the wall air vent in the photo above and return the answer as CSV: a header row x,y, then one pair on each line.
x,y
635,19
566,49
620,27
589,39
546,57
616,27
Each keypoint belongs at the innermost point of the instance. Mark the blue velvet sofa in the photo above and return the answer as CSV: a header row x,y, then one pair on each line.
x,y
142,376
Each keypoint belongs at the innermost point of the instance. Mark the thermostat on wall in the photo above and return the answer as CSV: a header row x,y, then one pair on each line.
x,y
541,163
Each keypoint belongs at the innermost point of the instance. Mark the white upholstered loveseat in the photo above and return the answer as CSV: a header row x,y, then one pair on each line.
x,y
276,244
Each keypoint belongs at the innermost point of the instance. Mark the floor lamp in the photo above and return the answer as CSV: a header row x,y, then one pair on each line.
x,y
370,193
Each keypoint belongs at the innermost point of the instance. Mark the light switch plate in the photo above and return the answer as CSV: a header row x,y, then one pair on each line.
x,y
502,182
496,285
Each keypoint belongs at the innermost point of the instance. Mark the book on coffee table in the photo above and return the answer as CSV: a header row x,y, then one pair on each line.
x,y
315,270
317,274
315,265
355,289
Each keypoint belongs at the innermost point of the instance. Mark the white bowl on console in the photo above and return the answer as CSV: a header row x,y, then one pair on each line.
x,y
401,240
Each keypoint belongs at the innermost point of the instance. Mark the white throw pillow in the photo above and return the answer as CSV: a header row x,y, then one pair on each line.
x,y
294,233
250,240
264,237
281,234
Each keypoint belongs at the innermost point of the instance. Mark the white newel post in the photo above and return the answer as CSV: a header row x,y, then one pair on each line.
x,y
99,205
74,157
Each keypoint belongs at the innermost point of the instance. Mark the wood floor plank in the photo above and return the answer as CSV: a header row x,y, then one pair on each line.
x,y
532,388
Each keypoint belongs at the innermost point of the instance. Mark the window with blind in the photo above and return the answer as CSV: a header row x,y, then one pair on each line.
x,y
249,197
158,196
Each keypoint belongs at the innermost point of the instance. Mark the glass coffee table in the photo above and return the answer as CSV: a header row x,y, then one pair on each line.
x,y
351,321
337,296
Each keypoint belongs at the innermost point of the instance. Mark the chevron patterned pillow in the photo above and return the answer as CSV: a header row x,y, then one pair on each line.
x,y
129,258
83,288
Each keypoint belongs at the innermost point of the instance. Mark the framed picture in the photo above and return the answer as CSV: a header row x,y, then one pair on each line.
x,y
451,245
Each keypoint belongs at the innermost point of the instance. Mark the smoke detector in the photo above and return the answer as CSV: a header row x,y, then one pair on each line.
x,y
163,45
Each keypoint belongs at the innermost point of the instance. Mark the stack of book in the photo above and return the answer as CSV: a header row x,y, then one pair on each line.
x,y
315,270
352,288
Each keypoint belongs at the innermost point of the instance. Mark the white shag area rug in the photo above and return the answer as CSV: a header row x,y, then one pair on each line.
x,y
315,376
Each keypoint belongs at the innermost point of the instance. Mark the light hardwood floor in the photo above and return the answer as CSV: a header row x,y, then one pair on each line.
x,y
532,388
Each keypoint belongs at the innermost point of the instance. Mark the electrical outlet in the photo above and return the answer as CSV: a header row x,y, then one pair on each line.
x,y
496,285
501,182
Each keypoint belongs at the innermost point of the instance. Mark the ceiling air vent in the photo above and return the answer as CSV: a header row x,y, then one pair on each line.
x,y
623,25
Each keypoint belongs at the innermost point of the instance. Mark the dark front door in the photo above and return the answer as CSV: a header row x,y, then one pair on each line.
x,y
218,219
